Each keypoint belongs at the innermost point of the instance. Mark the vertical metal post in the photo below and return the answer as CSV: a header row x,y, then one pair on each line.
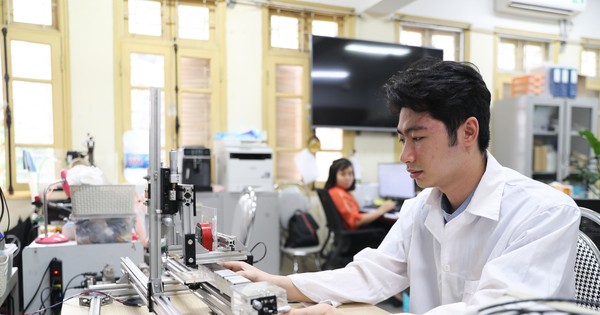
x,y
155,195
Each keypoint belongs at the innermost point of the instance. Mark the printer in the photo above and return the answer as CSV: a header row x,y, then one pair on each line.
x,y
243,162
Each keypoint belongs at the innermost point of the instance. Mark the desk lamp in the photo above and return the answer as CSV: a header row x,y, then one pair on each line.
x,y
55,237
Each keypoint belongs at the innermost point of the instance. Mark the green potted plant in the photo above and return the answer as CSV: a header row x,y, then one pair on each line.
x,y
587,170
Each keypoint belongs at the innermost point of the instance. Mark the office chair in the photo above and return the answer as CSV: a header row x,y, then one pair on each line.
x,y
346,243
292,197
245,213
587,263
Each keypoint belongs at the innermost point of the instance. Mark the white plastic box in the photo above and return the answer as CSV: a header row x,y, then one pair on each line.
x,y
6,264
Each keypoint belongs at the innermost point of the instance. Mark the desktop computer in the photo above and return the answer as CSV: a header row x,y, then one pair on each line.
x,y
395,182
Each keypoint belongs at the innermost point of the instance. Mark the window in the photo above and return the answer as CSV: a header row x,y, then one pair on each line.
x,y
516,55
590,61
171,45
448,36
288,96
520,55
36,85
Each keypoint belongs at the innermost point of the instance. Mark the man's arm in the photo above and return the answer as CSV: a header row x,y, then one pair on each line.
x,y
254,274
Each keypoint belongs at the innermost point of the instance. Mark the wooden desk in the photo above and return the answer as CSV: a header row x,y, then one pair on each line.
x,y
190,304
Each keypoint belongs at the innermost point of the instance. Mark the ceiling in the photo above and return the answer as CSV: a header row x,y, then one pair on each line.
x,y
376,7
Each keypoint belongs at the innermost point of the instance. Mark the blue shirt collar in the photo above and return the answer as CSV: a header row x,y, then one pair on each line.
x,y
445,205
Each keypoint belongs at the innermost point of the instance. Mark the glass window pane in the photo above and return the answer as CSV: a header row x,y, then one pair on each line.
x,y
330,138
147,70
195,73
32,11
193,22
589,63
324,160
30,60
446,43
33,113
533,56
289,122
507,56
145,17
195,119
284,32
325,28
43,169
140,111
411,38
288,79
286,167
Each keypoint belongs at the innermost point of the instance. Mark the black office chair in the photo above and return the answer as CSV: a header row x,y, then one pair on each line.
x,y
346,243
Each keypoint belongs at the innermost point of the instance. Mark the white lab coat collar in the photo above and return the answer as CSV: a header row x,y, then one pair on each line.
x,y
485,202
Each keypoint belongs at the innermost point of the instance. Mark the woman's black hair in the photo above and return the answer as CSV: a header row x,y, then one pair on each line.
x,y
337,165
449,91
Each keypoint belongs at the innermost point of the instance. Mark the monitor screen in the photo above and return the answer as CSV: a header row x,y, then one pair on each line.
x,y
395,181
347,78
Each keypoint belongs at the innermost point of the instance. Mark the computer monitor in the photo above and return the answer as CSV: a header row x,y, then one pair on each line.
x,y
395,181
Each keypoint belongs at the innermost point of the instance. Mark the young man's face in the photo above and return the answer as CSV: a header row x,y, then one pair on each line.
x,y
430,160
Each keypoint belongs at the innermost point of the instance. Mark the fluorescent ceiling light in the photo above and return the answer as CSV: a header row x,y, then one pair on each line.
x,y
378,50
334,74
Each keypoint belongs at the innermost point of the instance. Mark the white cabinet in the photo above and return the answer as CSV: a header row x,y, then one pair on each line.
x,y
538,136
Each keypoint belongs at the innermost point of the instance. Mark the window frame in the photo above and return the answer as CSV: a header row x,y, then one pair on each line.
x,y
54,36
212,49
301,56
503,78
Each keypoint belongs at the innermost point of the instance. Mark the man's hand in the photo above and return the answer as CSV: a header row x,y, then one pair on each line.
x,y
247,271
254,274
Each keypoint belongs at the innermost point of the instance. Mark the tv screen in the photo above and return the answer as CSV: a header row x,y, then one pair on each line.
x,y
347,76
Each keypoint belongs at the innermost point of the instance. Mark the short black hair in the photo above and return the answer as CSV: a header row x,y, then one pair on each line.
x,y
339,164
449,91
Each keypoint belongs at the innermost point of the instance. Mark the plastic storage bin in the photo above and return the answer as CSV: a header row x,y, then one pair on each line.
x,y
102,229
102,200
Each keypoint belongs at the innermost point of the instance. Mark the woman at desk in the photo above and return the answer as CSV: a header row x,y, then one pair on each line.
x,y
339,185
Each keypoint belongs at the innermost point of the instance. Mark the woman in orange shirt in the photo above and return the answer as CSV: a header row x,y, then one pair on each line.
x,y
339,185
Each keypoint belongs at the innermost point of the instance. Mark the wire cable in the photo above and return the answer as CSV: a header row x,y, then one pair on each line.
x,y
83,293
38,288
74,277
42,299
263,256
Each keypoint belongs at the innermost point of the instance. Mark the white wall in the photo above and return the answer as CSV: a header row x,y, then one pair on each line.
x,y
92,57
92,80
244,68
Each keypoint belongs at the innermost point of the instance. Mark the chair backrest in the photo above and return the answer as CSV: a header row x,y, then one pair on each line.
x,y
334,219
289,199
590,224
245,213
587,272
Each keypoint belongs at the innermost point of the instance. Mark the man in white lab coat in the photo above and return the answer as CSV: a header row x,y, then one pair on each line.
x,y
477,232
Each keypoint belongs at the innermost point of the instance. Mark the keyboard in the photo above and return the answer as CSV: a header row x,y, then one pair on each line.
x,y
371,207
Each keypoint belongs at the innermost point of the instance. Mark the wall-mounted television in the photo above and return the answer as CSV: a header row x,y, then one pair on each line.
x,y
347,76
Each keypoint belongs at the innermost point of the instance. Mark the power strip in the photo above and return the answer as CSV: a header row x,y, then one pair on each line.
x,y
56,285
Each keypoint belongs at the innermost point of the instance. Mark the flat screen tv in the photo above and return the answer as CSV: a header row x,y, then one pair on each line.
x,y
347,76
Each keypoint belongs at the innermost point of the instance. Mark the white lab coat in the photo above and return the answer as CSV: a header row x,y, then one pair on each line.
x,y
516,235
